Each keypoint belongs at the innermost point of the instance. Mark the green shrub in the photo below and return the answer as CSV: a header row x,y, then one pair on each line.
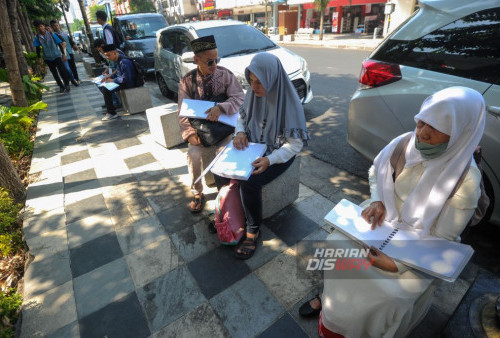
x,y
9,308
10,231
33,88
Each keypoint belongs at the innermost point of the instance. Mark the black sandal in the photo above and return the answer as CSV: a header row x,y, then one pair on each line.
x,y
307,311
247,248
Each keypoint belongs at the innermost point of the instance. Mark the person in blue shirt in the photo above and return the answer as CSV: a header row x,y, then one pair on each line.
x,y
126,77
70,46
54,54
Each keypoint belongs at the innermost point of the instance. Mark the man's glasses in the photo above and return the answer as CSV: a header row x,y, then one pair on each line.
x,y
210,62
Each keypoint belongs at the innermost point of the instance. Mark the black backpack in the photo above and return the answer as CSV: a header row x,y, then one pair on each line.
x,y
140,80
117,39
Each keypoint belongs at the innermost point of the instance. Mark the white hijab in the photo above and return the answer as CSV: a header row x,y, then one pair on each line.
x,y
455,111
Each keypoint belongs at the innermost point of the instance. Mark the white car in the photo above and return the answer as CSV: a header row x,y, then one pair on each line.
x,y
446,43
237,44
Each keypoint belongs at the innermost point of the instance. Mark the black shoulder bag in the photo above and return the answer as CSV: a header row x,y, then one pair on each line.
x,y
210,132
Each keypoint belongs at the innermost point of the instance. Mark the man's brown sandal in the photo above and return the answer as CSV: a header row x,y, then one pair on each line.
x,y
197,203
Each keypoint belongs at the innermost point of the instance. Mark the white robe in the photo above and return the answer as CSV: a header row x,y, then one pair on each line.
x,y
384,304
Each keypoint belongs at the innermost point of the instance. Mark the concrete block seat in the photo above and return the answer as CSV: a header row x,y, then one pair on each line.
x,y
135,100
282,191
164,125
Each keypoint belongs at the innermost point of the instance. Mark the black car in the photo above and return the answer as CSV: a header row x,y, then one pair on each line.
x,y
138,32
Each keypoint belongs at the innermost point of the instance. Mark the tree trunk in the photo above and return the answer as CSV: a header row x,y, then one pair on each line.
x,y
321,20
16,37
65,19
9,179
28,26
95,54
8,47
25,29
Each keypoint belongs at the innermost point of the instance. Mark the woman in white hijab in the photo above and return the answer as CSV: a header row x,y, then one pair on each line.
x,y
271,114
390,300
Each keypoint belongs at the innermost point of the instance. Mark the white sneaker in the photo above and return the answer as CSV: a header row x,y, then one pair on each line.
x,y
109,117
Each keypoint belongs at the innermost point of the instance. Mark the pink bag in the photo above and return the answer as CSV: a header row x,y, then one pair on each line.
x,y
229,214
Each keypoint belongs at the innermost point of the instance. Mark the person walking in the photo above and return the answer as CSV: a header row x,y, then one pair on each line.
x,y
111,36
54,54
70,46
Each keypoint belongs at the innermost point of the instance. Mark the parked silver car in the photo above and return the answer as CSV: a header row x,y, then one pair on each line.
x,y
446,43
237,43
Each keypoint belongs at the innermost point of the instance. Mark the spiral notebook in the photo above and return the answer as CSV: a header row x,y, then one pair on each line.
x,y
196,109
435,256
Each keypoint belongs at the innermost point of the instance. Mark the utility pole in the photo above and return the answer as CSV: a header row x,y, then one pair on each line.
x,y
265,17
64,8
89,32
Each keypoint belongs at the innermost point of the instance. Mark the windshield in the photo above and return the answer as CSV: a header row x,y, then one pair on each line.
x,y
237,39
142,28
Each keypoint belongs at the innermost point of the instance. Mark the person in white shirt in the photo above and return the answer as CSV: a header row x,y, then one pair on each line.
x,y
272,114
110,34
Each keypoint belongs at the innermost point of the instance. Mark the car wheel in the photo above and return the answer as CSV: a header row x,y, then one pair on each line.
x,y
165,91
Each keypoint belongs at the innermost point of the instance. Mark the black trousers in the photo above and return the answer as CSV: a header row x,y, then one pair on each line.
x,y
108,99
72,66
55,66
251,193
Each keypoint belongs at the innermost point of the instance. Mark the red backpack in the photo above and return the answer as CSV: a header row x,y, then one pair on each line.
x,y
229,214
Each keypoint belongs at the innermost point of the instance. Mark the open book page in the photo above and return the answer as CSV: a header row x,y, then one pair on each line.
x,y
237,164
196,109
110,85
97,80
435,256
346,218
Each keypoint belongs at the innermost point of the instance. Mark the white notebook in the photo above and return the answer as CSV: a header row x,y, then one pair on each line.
x,y
435,256
237,164
196,109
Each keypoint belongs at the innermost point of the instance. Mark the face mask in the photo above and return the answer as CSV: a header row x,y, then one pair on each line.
x,y
430,151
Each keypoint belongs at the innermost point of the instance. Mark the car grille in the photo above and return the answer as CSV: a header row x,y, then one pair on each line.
x,y
300,87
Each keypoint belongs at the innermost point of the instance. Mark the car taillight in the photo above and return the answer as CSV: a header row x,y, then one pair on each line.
x,y
376,74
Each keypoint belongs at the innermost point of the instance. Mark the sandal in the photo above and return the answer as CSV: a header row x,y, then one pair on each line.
x,y
247,248
306,310
197,203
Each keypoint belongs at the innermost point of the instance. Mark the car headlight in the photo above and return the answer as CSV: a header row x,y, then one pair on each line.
x,y
303,65
135,54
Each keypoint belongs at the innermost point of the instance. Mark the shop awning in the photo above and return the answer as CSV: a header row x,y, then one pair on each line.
x,y
337,3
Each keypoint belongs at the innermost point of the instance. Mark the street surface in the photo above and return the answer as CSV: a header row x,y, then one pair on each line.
x,y
334,78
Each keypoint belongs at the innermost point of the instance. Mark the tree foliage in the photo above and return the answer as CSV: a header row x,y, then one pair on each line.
x,y
44,10
321,6
93,9
77,25
139,6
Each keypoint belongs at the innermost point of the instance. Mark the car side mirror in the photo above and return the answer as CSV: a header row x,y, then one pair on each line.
x,y
188,57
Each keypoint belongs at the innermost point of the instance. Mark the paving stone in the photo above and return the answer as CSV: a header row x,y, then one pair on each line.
x,y
77,167
304,192
49,311
66,110
244,318
140,160
89,228
48,221
201,322
140,233
284,327
46,272
217,270
268,247
85,208
48,243
126,202
127,142
195,240
447,296
102,286
75,192
75,157
315,207
178,218
287,283
70,330
82,177
67,118
93,254
46,160
156,187
153,261
122,318
433,324
169,297
290,225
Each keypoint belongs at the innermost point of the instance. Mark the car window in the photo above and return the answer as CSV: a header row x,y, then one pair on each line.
x,y
237,38
467,47
142,27
183,44
168,41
